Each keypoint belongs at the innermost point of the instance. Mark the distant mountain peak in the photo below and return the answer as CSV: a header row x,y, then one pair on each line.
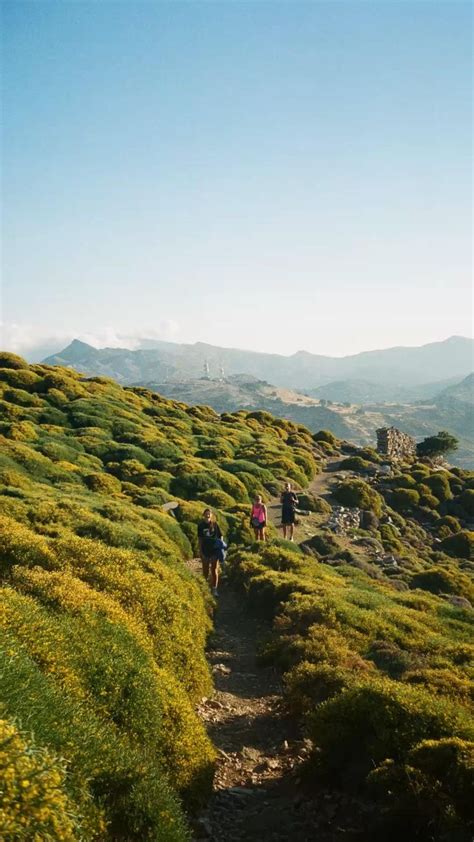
x,y
79,345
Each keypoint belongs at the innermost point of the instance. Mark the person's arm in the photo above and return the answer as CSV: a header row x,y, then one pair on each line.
x,y
200,540
218,531
265,512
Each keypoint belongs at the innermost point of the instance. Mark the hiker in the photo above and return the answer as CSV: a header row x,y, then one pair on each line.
x,y
289,501
258,518
211,547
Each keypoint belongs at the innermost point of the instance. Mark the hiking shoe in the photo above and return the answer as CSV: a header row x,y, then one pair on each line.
x,y
215,592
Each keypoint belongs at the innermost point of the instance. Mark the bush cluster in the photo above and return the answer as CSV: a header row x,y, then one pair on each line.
x,y
383,677
103,630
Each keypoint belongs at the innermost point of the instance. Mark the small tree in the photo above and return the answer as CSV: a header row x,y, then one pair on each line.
x,y
437,445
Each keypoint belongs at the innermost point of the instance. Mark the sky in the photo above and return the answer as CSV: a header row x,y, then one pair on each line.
x,y
267,175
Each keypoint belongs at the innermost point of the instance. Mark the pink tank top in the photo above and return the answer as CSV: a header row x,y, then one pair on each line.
x,y
258,511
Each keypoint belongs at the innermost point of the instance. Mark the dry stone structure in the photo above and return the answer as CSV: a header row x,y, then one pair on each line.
x,y
395,444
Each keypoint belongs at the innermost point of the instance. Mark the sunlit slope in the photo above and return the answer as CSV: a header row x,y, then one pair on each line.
x,y
372,630
102,627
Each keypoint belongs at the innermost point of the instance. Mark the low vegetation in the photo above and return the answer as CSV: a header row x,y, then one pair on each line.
x,y
372,629
103,628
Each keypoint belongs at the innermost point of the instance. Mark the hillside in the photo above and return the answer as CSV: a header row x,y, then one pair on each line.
x,y
362,392
367,620
393,367
103,628
462,392
356,422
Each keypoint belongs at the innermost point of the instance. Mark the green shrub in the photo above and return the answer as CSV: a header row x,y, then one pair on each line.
x,y
309,684
358,494
35,803
404,499
190,485
403,481
216,497
382,719
447,526
390,538
18,545
324,544
439,484
430,795
9,360
466,500
389,657
103,483
325,436
460,545
355,463
429,500
19,378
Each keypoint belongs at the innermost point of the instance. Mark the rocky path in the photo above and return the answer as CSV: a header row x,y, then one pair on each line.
x,y
259,791
319,486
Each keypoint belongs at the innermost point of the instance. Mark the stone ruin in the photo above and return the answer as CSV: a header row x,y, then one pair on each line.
x,y
395,444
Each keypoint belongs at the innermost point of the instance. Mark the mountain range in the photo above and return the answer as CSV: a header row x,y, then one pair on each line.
x,y
393,368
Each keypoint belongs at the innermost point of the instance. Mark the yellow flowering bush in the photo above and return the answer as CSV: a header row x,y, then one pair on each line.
x,y
34,805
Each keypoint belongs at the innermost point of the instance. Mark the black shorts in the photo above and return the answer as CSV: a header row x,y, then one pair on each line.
x,y
261,525
288,517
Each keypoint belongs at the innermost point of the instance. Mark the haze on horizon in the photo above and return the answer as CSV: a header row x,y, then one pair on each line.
x,y
271,176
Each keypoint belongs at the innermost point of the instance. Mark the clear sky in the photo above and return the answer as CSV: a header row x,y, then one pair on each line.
x,y
270,175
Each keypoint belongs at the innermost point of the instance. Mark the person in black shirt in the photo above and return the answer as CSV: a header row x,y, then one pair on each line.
x,y
289,501
208,533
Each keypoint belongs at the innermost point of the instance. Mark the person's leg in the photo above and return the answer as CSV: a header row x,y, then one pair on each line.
x,y
205,568
214,574
292,529
256,532
284,530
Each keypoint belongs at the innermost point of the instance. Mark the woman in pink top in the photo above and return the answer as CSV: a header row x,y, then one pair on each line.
x,y
258,518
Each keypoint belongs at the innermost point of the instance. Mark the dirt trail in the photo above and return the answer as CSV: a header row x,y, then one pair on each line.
x,y
259,791
319,486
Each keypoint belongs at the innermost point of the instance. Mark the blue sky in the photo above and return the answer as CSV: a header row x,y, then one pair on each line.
x,y
270,175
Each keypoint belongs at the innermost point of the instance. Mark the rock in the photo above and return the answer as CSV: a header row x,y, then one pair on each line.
x,y
457,601
215,704
242,792
222,669
399,585
250,753
271,763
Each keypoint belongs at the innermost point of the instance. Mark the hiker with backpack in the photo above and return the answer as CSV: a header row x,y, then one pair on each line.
x,y
212,548
289,502
258,518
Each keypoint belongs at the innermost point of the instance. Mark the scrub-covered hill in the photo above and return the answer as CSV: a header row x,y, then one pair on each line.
x,y
371,619
103,628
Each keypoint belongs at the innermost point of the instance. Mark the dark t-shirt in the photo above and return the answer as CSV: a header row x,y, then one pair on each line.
x,y
207,534
289,501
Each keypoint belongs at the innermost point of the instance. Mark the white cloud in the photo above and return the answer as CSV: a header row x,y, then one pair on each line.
x,y
37,341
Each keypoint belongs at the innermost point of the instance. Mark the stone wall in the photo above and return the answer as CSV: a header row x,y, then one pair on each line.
x,y
392,442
